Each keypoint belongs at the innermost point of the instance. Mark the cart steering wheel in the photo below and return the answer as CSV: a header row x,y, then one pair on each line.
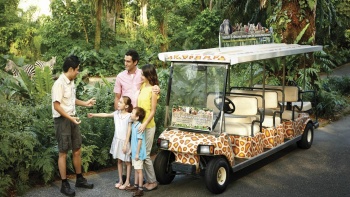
x,y
229,106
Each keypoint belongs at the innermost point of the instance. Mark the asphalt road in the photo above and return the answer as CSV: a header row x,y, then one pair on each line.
x,y
322,170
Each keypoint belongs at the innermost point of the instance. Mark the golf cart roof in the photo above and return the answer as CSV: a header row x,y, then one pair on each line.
x,y
238,54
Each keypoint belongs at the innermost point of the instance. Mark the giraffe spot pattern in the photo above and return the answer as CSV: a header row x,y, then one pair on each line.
x,y
184,144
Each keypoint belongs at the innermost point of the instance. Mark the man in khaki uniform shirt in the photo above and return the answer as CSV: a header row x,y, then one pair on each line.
x,y
67,124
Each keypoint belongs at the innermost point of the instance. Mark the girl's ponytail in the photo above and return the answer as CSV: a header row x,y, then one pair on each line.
x,y
127,101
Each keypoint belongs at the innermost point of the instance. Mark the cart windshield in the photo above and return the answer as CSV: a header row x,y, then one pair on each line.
x,y
193,89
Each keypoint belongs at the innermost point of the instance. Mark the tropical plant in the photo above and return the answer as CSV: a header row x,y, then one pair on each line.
x,y
200,35
329,104
338,84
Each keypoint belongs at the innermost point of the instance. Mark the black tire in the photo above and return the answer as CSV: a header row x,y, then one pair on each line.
x,y
162,167
217,175
307,137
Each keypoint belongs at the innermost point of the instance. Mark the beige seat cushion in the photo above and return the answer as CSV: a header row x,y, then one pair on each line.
x,y
245,106
238,119
287,114
242,129
290,92
268,121
271,97
240,122
306,105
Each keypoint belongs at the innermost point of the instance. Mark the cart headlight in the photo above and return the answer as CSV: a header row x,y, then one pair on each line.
x,y
205,149
162,143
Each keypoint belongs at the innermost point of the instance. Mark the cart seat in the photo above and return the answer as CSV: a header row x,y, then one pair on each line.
x,y
243,120
271,102
306,105
268,121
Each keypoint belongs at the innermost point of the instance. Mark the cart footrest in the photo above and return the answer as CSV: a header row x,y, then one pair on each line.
x,y
183,168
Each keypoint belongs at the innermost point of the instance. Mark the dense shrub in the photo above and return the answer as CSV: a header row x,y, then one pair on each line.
x,y
18,146
330,97
329,104
338,84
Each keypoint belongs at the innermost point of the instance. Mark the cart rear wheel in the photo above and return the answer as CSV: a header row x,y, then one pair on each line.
x,y
307,137
217,175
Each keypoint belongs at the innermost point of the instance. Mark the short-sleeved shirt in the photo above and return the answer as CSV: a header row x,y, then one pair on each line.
x,y
129,85
63,91
135,136
145,101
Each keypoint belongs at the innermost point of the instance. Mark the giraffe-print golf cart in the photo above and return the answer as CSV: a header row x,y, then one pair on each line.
x,y
214,126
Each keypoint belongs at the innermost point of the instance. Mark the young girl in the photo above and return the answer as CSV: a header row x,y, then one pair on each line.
x,y
118,150
147,100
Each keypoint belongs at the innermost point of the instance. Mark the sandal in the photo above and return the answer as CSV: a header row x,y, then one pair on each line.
x,y
124,186
118,185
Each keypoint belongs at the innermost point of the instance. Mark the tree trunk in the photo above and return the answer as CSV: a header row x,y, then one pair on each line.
x,y
298,21
300,18
98,25
110,17
163,31
143,13
118,8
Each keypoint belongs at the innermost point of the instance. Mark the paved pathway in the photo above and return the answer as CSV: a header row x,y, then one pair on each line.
x,y
343,70
320,171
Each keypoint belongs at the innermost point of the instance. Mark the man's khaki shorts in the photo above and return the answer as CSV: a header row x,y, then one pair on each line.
x,y
67,134
138,165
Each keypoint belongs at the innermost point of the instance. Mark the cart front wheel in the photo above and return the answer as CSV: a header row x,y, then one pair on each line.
x,y
162,167
217,175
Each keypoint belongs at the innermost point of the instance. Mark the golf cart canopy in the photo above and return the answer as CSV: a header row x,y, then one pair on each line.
x,y
240,54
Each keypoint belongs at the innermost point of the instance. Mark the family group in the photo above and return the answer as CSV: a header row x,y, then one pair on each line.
x,y
136,95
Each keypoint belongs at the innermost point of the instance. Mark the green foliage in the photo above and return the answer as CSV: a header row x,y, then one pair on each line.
x,y
105,62
25,88
324,62
334,56
163,76
200,33
338,84
330,97
45,163
8,15
301,35
347,35
278,20
87,156
311,4
18,149
5,183
329,104
97,132
43,82
332,19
